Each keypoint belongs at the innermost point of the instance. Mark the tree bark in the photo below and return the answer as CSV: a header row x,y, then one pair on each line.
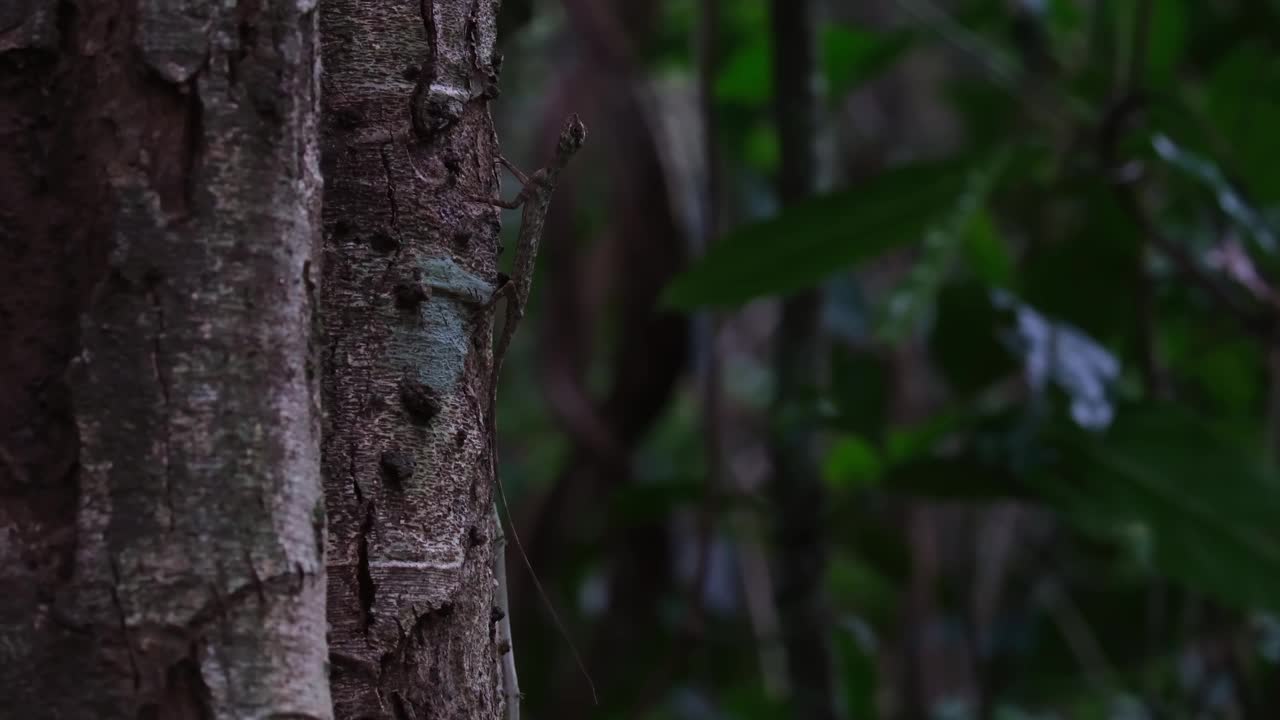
x,y
161,522
407,452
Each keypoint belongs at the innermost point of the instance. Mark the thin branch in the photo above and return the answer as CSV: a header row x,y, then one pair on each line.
x,y
795,486
510,683
1076,632
1148,319
546,599
1003,74
1141,33
708,324
706,331
1129,193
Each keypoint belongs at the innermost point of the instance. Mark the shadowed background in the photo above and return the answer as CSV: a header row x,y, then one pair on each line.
x,y
899,359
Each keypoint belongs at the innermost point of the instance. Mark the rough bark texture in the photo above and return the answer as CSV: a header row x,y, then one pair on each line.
x,y
160,518
406,453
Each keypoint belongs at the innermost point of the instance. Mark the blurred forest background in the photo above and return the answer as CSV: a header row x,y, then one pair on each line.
x,y
900,358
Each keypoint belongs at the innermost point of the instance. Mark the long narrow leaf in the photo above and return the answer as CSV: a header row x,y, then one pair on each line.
x,y
810,241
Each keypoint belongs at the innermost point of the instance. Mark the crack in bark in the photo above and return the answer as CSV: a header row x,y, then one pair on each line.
x,y
157,308
355,664
394,260
428,9
282,582
470,33
391,191
368,589
124,625
399,709
194,129
351,472
255,579
426,74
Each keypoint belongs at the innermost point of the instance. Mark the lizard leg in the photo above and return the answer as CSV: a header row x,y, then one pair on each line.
x,y
515,204
506,289
515,171
519,200
515,312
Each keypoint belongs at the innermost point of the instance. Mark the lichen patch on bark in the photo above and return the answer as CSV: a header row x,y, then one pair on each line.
x,y
406,370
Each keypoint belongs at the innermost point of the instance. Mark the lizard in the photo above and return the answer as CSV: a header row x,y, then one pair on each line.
x,y
534,201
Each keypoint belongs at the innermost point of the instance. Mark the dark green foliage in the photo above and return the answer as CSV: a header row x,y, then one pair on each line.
x,y
1058,273
1197,502
812,240
1035,264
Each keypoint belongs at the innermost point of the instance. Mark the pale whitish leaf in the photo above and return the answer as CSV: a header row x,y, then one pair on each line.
x,y
1058,353
1227,197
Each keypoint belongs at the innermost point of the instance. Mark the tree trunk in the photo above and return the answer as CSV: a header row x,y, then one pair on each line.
x,y
160,489
407,452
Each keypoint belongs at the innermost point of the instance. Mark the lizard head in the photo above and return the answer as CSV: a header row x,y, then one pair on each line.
x,y
572,136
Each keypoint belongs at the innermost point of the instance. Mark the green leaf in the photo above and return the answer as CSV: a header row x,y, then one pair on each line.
x,y
1065,16
965,341
1221,373
1091,238
915,298
760,148
852,56
814,239
983,456
852,464
646,501
1167,38
987,252
959,477
1199,499
988,113
1243,104
860,388
912,442
745,77
857,582
856,658
751,702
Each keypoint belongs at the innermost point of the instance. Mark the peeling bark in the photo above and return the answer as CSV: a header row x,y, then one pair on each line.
x,y
407,456
161,522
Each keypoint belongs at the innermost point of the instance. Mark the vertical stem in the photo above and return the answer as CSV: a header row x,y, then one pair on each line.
x,y
706,324
1138,53
506,643
1102,43
796,488
1148,358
